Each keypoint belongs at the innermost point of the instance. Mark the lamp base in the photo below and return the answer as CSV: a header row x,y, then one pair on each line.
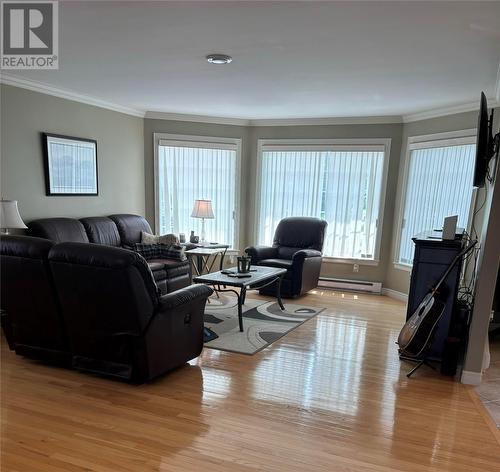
x,y
202,235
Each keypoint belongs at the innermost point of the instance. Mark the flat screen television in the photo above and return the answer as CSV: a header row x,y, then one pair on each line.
x,y
484,143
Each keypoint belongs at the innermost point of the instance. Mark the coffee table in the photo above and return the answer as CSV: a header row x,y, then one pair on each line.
x,y
257,278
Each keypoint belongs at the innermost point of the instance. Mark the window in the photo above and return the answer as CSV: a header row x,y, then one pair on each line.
x,y
438,184
341,182
188,169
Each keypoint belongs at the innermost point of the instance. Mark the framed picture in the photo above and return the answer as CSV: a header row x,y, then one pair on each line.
x,y
70,165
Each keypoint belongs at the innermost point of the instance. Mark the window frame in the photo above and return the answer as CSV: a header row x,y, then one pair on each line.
x,y
359,144
210,142
425,141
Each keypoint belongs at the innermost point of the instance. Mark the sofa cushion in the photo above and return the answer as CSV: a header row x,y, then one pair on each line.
x,y
280,263
59,230
130,227
172,268
156,265
159,275
287,252
101,230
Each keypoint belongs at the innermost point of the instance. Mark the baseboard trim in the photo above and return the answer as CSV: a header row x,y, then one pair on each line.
x,y
402,297
471,378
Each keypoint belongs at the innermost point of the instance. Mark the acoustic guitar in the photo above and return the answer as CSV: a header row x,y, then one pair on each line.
x,y
418,330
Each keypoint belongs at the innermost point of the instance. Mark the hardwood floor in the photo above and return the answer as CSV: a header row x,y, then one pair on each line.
x,y
330,396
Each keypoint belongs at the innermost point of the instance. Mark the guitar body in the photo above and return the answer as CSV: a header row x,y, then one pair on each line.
x,y
417,331
412,324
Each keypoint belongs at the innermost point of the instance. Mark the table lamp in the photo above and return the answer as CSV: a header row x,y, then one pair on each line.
x,y
10,217
202,209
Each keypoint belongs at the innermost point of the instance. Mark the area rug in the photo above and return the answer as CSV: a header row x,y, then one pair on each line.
x,y
263,322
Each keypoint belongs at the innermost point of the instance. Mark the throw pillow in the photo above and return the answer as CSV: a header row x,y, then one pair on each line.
x,y
167,239
160,251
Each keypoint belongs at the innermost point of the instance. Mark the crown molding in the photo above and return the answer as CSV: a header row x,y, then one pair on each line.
x,y
348,120
218,120
453,110
158,115
35,86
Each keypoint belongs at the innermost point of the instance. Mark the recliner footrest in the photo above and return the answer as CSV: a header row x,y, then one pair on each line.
x,y
98,366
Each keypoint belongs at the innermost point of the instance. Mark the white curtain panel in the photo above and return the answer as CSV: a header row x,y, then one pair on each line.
x,y
353,188
186,174
291,186
342,187
439,185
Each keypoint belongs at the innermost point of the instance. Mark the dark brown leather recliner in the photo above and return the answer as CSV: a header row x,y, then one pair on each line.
x,y
297,246
117,322
31,317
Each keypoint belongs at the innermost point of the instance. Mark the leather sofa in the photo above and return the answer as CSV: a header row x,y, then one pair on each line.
x,y
31,318
117,231
297,246
96,308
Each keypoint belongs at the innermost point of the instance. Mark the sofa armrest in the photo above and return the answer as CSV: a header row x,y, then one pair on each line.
x,y
258,253
304,254
183,296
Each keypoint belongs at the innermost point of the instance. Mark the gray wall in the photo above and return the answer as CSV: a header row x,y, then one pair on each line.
x,y
120,146
398,279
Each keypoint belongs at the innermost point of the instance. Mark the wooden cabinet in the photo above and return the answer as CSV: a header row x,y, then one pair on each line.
x,y
432,257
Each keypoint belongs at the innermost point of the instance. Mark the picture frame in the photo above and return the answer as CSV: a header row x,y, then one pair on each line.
x,y
70,166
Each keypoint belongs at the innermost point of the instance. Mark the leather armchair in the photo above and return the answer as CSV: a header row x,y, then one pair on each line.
x,y
297,246
31,319
117,323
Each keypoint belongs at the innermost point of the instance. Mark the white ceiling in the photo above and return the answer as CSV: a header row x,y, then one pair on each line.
x,y
291,59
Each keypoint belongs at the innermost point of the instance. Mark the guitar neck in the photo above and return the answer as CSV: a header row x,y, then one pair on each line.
x,y
452,265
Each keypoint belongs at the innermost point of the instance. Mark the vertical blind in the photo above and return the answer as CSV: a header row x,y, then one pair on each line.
x,y
186,174
342,187
439,184
72,167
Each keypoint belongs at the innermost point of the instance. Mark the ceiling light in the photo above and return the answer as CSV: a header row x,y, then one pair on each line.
x,y
219,58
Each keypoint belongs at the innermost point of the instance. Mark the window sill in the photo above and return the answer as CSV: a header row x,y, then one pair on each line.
x,y
341,260
405,267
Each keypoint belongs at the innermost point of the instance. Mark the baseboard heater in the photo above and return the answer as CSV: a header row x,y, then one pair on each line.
x,y
351,285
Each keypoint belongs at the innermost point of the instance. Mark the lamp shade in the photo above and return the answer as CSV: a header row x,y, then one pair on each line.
x,y
9,215
202,209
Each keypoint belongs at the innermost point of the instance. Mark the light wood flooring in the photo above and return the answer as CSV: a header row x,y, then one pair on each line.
x,y
329,396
